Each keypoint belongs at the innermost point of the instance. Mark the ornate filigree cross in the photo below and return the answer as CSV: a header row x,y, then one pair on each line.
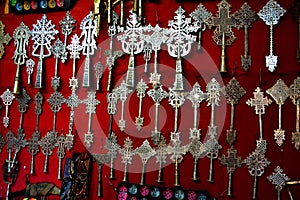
x,y
271,14
112,147
278,178
4,39
161,156
245,16
29,69
295,96
127,154
7,98
141,92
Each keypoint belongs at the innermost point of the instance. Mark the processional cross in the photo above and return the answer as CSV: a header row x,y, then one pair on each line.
x,y
141,92
295,96
4,39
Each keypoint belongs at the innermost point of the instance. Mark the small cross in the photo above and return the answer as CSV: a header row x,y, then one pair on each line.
x,y
278,178
231,161
4,39
259,101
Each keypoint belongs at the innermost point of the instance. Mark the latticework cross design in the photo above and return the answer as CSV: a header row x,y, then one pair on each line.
x,y
157,94
145,151
67,24
127,152
256,163
234,91
56,100
231,160
4,39
259,101
196,95
23,100
91,102
176,99
271,12
213,92
278,178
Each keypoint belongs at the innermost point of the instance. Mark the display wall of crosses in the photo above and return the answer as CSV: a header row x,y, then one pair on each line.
x,y
136,38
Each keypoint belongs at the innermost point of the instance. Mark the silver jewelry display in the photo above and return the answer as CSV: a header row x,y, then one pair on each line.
x,y
42,34
271,14
89,32
7,98
179,42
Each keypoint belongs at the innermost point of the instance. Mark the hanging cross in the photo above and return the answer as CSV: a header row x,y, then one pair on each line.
x,y
200,16
57,50
245,17
91,102
112,147
196,96
259,102
223,35
231,162
145,151
60,144
271,14
179,42
4,39
67,24
89,32
55,100
122,91
33,146
7,98
233,93
141,92
295,96
147,55
132,43
99,68
157,95
23,100
74,49
111,55
295,11
278,178
161,156
29,69
197,149
279,92
256,163
21,36
127,154
177,152
213,97
112,100
156,39
42,34
176,100
47,144
100,159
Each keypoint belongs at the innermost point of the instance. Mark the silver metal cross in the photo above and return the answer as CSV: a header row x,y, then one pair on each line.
x,y
33,146
112,147
278,178
156,39
147,55
99,68
161,156
176,100
127,154
177,151
29,69
256,163
197,149
259,102
42,34
7,98
157,95
233,92
132,43
91,102
179,42
47,144
112,55
245,16
212,145
279,92
122,91
60,144
4,39
57,50
21,36
89,32
271,14
196,96
145,151
295,96
56,100
67,24
141,92
200,15
23,101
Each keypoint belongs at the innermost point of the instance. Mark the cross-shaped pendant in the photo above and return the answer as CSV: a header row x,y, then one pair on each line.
x,y
279,92
89,32
127,154
29,69
91,102
33,146
145,151
7,98
157,95
295,96
141,92
197,149
122,91
161,156
42,34
179,42
271,14
4,39
57,50
245,17
223,35
112,147
278,178
21,36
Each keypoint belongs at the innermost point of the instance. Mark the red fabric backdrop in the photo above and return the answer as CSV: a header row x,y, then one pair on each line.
x,y
196,67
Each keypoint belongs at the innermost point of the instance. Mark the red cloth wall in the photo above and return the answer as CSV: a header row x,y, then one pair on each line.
x,y
196,67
